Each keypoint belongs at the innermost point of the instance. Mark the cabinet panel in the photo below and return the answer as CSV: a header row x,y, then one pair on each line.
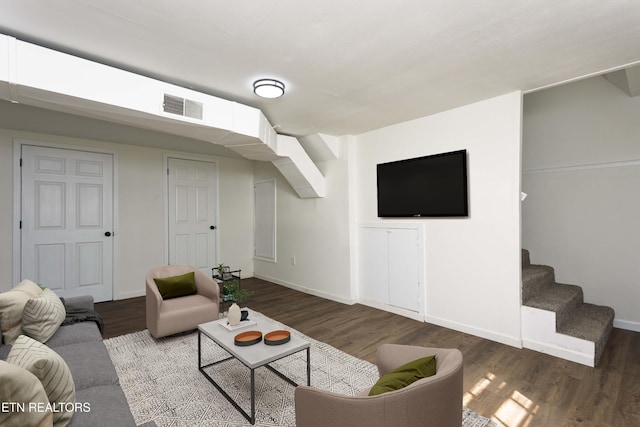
x,y
404,283
374,269
390,266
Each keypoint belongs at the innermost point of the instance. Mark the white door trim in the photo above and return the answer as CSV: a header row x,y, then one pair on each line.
x,y
165,168
274,243
17,202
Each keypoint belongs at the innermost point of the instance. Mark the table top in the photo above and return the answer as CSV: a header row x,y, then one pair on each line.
x,y
253,356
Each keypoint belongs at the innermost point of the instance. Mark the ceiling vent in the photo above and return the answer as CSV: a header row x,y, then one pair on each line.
x,y
182,107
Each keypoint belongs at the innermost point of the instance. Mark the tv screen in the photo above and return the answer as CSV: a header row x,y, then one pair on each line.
x,y
429,186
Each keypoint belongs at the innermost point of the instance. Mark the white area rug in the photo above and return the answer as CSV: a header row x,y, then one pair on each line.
x,y
162,383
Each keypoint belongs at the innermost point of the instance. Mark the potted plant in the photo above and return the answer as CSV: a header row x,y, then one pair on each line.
x,y
232,292
219,268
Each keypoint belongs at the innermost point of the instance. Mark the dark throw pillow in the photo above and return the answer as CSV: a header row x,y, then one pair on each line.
x,y
176,286
405,375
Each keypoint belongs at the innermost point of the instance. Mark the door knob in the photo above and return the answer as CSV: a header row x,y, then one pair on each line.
x,y
108,233
212,227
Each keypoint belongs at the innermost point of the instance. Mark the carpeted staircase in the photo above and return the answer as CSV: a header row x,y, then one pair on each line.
x,y
580,329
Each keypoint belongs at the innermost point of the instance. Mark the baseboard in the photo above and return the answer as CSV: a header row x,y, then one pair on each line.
x,y
626,324
395,310
306,290
130,294
560,352
482,333
504,339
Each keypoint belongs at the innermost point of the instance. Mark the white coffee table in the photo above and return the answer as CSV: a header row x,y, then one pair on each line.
x,y
253,356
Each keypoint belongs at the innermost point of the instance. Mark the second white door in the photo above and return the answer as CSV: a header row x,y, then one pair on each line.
x,y
192,213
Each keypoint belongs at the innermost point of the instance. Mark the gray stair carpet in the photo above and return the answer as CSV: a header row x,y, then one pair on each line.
x,y
535,280
573,316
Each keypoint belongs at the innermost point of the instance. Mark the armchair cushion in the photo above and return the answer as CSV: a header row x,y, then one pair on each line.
x,y
405,375
176,286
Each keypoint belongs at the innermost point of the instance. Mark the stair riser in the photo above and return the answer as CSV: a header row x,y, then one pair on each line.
x,y
535,281
565,313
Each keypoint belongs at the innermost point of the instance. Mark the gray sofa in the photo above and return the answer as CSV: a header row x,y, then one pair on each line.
x,y
80,345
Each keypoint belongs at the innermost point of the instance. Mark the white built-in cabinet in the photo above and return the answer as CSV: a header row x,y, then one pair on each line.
x,y
391,267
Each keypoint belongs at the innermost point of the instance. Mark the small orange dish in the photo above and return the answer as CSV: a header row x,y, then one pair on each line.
x,y
248,338
277,337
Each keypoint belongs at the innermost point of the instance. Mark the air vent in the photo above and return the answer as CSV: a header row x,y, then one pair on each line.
x,y
182,107
193,109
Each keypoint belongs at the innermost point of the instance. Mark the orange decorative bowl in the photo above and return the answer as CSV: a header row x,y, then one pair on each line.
x,y
248,338
277,337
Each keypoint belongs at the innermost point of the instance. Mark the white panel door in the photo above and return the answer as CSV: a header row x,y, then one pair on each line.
x,y
404,268
192,213
67,221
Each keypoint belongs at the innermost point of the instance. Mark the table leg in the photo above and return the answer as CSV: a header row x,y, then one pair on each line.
x,y
308,366
253,397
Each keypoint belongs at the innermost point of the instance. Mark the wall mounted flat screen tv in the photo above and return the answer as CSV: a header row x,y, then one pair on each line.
x,y
429,186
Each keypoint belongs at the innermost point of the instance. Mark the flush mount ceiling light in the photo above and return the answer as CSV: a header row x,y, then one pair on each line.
x,y
268,88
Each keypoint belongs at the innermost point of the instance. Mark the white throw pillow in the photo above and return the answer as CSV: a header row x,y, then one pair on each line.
x,y
11,307
43,315
25,394
51,370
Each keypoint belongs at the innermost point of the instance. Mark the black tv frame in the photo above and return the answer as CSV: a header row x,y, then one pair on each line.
x,y
399,186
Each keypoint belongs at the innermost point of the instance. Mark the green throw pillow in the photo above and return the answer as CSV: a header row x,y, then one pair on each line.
x,y
176,286
405,375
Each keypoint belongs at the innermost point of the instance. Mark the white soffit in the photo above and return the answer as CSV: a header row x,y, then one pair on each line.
x,y
45,78
628,80
296,166
321,147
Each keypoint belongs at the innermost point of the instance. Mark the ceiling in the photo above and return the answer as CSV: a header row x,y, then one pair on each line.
x,y
348,66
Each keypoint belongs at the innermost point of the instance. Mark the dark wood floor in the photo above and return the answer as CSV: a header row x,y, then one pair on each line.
x,y
515,387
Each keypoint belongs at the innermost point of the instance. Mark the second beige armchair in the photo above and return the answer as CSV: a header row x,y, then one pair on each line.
x,y
432,401
170,316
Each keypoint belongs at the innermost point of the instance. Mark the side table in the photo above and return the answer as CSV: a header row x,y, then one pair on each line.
x,y
222,278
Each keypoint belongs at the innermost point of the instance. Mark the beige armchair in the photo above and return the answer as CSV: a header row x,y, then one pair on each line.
x,y
170,316
432,401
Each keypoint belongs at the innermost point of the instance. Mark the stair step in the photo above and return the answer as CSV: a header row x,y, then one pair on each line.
x,y
536,278
559,298
592,323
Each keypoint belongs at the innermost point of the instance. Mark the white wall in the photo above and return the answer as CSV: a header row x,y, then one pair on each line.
x,y
141,183
581,169
472,264
315,231
6,212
